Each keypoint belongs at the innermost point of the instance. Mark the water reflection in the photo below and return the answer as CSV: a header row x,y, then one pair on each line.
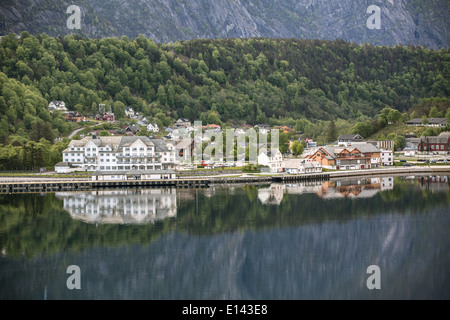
x,y
334,189
226,244
128,206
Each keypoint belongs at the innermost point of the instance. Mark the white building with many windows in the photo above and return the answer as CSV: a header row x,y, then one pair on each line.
x,y
272,159
387,157
118,153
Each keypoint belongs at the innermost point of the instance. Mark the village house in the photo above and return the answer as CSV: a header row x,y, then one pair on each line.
x,y
299,166
386,157
271,159
262,128
129,112
105,114
184,149
57,106
152,127
382,144
310,143
182,123
132,129
432,122
362,156
345,139
65,167
74,116
439,144
291,166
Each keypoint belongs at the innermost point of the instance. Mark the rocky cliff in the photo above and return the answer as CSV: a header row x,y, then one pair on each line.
x,y
416,22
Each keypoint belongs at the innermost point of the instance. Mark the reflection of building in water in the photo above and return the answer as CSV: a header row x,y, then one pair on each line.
x,y
304,187
121,206
387,183
434,183
355,188
272,194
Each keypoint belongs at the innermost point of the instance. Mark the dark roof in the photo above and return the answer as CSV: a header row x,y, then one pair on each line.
x,y
430,121
350,137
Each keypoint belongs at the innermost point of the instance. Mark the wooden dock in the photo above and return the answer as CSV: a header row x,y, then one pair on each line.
x,y
55,186
198,182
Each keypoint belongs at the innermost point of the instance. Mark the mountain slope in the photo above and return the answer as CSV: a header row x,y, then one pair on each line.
x,y
417,22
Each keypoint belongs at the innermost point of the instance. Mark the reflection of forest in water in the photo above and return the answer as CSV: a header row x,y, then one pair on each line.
x,y
224,243
34,224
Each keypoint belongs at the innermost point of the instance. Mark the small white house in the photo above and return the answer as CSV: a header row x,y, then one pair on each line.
x,y
292,166
57,105
273,160
65,167
152,127
129,112
310,167
387,157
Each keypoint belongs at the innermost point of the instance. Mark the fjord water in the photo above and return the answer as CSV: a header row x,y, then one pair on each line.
x,y
281,241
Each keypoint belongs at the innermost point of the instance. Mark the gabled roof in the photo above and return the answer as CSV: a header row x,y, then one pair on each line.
x,y
118,142
350,137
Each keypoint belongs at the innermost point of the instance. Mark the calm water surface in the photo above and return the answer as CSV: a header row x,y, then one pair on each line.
x,y
278,241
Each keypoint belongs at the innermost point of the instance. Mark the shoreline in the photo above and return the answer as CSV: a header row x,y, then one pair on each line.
x,y
258,176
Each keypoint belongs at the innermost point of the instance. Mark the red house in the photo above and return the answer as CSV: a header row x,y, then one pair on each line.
x,y
439,144
109,117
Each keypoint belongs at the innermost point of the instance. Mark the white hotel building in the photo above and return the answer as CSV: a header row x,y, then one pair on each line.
x,y
117,153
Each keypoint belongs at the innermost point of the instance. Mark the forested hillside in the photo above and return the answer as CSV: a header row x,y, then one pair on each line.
x,y
217,81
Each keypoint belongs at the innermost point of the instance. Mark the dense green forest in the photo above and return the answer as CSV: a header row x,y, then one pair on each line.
x,y
306,83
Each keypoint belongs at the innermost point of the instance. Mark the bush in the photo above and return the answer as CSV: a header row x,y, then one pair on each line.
x,y
251,168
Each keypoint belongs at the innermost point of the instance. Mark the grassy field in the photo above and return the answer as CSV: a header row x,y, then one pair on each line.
x,y
397,129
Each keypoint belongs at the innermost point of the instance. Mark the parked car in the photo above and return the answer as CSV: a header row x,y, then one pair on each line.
x,y
407,164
